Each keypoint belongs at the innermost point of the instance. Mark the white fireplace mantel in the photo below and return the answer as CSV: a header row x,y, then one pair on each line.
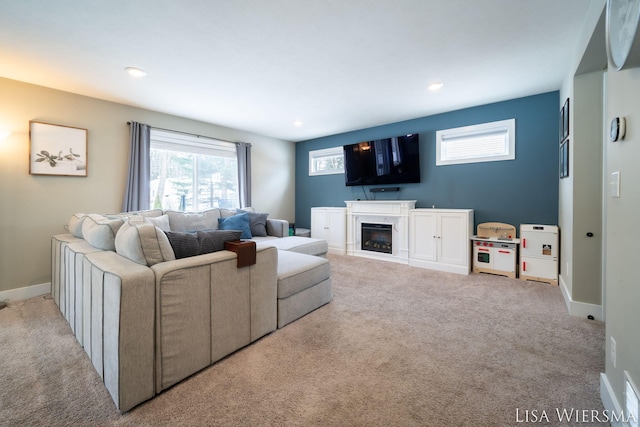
x,y
393,212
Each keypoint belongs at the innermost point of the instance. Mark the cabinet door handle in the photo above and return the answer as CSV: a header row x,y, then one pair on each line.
x,y
524,265
524,243
504,252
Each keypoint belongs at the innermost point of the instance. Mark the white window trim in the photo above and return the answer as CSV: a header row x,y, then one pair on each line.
x,y
176,141
507,127
326,152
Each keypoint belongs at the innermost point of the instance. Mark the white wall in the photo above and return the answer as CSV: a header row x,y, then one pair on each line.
x,y
33,208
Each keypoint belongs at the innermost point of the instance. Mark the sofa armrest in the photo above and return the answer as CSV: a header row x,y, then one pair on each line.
x,y
207,308
122,326
277,227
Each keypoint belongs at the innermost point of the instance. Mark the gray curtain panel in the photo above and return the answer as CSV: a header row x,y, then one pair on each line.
x,y
136,195
244,173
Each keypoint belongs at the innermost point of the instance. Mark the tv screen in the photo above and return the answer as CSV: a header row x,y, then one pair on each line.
x,y
383,161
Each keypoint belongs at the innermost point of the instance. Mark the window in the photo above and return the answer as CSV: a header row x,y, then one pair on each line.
x,y
327,161
191,173
487,142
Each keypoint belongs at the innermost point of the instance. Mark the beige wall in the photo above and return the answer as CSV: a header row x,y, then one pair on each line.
x,y
620,91
32,208
580,199
622,292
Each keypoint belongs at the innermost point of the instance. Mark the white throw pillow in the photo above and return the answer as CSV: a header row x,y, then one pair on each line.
x,y
75,224
100,231
143,243
162,222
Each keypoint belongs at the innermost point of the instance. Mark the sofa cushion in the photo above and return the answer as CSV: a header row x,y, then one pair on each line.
x,y
236,222
150,213
187,244
193,221
75,224
257,223
226,213
143,243
162,222
100,231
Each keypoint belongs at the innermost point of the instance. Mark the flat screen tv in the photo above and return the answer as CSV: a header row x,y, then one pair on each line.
x,y
383,161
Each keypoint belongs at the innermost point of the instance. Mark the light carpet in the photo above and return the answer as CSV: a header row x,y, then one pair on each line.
x,y
397,346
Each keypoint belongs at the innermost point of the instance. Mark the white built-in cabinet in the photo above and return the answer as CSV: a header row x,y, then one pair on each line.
x,y
440,239
330,224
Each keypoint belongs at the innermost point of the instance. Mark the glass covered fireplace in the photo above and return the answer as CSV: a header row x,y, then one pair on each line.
x,y
377,237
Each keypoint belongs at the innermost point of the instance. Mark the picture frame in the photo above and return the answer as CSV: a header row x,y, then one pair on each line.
x,y
57,149
561,126
565,120
564,159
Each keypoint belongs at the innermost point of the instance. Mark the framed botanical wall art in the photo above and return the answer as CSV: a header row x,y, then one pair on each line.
x,y
57,150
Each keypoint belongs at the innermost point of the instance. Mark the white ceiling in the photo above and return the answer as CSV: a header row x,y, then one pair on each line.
x,y
259,65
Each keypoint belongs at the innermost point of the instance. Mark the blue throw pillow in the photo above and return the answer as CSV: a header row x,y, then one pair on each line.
x,y
236,222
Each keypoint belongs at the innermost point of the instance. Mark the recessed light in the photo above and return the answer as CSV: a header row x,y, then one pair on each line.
x,y
298,123
435,86
135,72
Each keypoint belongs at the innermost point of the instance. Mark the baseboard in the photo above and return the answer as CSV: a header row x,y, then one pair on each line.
x,y
580,309
26,292
609,401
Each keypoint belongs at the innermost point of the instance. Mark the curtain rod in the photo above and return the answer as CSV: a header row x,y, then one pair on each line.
x,y
191,134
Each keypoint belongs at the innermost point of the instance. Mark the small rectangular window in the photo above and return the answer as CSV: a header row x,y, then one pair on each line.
x,y
487,142
326,161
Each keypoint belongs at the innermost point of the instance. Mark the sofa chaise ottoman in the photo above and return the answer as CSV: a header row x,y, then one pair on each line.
x,y
303,245
304,284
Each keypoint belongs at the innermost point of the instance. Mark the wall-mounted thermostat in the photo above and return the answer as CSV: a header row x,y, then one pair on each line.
x,y
618,128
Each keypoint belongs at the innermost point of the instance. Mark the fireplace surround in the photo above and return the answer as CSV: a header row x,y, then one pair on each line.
x,y
390,217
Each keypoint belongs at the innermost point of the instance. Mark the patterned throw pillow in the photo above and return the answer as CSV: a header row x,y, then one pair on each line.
x,y
186,244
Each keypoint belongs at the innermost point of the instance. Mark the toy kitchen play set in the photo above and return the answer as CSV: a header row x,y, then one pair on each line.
x,y
495,251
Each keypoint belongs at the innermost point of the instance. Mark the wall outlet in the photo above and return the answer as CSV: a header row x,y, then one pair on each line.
x,y
612,352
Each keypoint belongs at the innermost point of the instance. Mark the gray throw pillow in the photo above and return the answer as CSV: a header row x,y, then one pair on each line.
x,y
257,222
186,244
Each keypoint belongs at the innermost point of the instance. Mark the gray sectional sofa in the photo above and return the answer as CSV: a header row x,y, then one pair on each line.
x,y
148,320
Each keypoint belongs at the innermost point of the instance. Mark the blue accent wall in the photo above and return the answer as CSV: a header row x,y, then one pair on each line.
x,y
520,191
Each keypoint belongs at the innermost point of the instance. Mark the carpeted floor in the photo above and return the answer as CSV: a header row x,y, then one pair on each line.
x,y
397,346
